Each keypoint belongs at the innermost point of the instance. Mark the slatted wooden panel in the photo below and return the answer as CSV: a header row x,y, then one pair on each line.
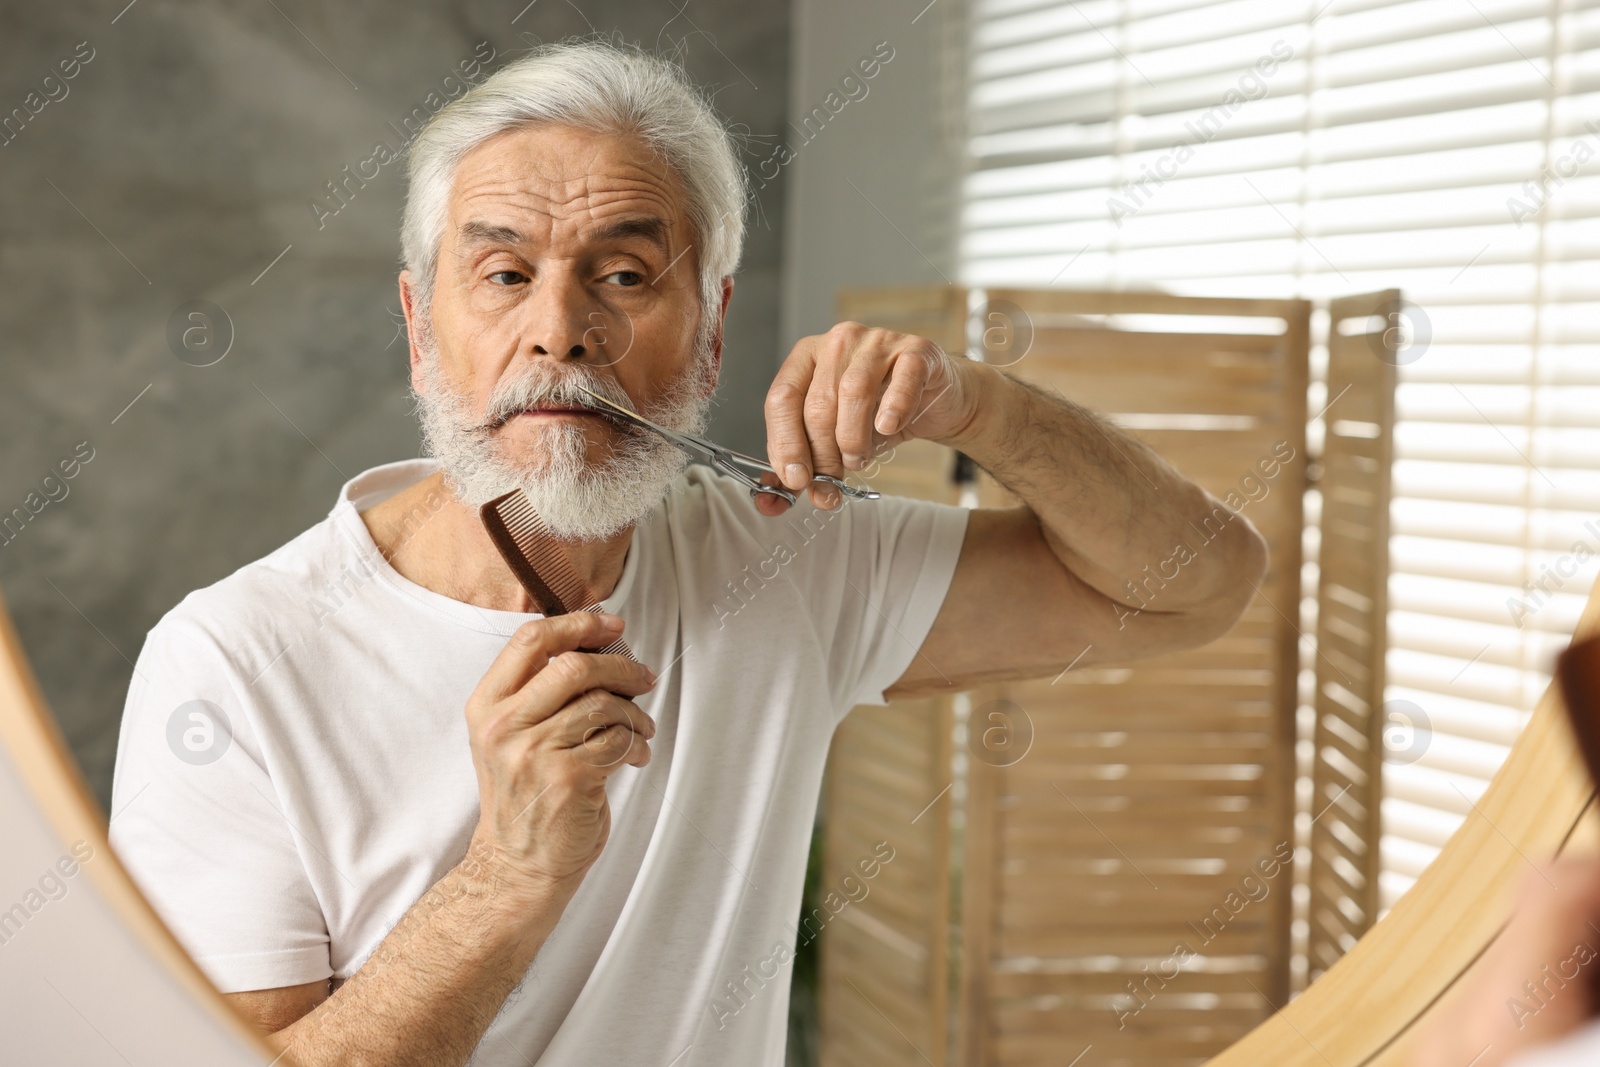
x,y
1351,639
885,957
1152,791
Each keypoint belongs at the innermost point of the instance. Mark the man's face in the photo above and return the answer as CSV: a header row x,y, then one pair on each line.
x,y
566,259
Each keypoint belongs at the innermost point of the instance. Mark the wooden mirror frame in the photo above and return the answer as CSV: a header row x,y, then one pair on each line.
x,y
106,1003
1368,1009
157,1003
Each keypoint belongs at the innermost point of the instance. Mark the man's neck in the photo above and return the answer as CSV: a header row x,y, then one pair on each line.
x,y
439,543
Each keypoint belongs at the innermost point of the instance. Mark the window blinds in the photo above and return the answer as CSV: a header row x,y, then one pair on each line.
x,y
1271,148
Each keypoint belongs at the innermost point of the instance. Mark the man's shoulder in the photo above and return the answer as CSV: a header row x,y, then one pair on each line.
x,y
700,487
718,497
265,598
708,510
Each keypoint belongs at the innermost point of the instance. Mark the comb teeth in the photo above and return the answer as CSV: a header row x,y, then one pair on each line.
x,y
539,547
536,557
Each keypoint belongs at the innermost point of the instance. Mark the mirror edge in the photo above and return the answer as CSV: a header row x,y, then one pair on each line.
x,y
1365,1009
51,777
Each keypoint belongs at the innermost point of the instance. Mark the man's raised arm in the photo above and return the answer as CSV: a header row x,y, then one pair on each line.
x,y
1115,554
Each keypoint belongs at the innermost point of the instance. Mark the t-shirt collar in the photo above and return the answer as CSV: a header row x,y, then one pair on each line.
x,y
372,486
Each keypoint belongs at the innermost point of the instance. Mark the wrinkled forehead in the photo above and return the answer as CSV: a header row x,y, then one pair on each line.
x,y
561,184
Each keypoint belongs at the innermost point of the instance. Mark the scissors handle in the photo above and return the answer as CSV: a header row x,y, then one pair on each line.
x,y
847,489
777,490
727,460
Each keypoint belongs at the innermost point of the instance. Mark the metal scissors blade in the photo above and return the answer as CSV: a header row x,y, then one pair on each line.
x,y
734,464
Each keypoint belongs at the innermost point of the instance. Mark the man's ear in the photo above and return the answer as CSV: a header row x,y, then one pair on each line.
x,y
722,324
409,308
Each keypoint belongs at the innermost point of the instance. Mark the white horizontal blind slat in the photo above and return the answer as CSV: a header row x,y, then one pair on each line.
x,y
1449,150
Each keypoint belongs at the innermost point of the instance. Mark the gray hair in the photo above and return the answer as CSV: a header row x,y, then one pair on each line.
x,y
593,85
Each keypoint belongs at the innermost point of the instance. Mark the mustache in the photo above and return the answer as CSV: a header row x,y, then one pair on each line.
x,y
541,386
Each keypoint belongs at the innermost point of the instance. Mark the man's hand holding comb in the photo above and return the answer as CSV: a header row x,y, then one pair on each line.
x,y
548,724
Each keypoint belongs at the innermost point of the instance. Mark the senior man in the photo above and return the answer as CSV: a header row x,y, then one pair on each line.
x,y
399,818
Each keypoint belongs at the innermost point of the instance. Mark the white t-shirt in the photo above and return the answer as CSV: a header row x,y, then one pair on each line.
x,y
293,770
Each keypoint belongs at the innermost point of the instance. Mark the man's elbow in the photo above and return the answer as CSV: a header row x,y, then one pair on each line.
x,y
1236,585
1254,556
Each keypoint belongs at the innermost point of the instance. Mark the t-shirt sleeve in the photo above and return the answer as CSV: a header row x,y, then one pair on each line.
x,y
901,556
198,824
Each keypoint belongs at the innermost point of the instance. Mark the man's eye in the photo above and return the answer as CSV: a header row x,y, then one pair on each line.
x,y
510,277
628,278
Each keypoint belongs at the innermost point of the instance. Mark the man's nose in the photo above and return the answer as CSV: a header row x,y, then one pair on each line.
x,y
558,319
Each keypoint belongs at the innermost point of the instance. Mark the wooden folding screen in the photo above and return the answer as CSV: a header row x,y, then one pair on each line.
x,y
1352,606
884,969
1111,890
1127,906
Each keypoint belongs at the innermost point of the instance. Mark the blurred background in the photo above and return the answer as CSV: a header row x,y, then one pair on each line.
x,y
200,153
196,158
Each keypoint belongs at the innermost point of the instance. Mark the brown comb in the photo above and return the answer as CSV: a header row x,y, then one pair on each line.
x,y
1578,671
536,557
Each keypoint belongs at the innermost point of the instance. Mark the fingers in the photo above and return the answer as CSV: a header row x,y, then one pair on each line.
x,y
788,448
597,710
604,730
801,410
820,413
570,675
908,378
766,503
859,389
535,642
615,746
838,399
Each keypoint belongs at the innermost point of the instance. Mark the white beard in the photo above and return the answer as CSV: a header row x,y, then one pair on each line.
x,y
578,501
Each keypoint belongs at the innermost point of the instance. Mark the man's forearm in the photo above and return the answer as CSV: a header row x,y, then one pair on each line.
x,y
432,987
1109,506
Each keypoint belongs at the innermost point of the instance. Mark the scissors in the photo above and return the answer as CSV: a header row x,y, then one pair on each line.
x,y
725,460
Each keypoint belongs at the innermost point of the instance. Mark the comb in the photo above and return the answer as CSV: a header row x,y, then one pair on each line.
x,y
1578,671
536,557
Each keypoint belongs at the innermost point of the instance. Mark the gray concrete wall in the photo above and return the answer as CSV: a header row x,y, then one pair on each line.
x,y
873,189
177,164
